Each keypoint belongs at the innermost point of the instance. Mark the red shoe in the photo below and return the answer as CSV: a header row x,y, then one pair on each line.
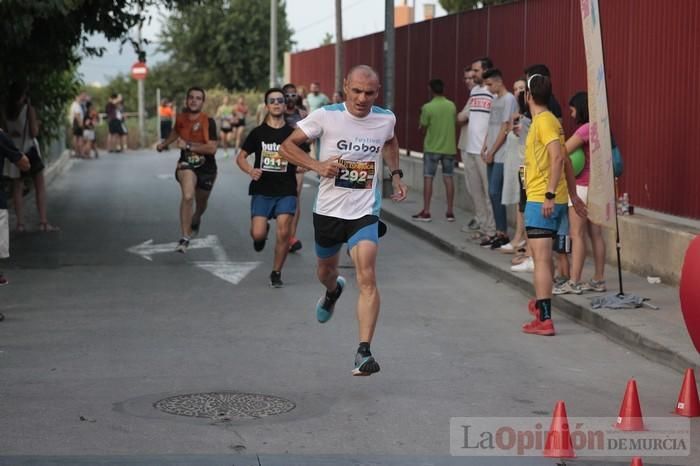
x,y
532,308
539,327
3,280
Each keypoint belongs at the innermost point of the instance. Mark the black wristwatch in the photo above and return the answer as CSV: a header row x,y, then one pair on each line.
x,y
398,171
550,195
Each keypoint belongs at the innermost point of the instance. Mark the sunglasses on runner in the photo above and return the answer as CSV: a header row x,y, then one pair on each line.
x,y
275,100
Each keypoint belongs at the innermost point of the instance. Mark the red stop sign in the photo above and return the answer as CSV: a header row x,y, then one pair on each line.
x,y
139,70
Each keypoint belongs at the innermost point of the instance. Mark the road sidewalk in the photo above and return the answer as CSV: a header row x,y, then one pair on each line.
x,y
659,335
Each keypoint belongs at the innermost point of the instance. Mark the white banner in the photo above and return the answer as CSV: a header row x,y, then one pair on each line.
x,y
601,192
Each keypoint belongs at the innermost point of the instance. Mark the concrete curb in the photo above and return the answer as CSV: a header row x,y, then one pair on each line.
x,y
588,317
55,169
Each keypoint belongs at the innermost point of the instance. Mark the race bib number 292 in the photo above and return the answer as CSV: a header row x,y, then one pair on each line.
x,y
355,175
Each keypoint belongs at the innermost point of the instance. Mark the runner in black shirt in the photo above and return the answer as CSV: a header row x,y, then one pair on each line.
x,y
274,185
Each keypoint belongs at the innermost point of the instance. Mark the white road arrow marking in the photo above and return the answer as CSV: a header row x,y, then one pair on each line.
x,y
232,272
221,267
147,248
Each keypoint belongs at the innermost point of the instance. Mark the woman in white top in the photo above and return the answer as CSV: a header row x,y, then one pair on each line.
x,y
21,123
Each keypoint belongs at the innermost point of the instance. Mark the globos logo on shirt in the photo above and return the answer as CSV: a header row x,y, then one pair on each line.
x,y
361,146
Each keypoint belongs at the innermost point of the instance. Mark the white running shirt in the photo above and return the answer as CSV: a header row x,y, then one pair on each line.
x,y
356,191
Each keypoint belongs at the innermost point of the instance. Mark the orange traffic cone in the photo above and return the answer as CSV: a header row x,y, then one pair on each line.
x,y
630,418
637,461
558,443
688,402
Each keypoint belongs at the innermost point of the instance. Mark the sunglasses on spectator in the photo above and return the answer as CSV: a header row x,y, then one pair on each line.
x,y
275,100
291,96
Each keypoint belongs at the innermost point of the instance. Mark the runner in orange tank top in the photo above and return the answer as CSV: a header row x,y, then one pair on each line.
x,y
195,136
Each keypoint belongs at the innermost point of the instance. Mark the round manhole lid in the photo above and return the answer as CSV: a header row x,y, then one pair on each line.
x,y
225,405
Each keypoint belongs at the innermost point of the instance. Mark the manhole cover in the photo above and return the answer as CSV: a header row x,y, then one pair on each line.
x,y
225,405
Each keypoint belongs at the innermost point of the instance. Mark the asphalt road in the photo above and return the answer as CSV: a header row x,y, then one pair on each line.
x,y
96,335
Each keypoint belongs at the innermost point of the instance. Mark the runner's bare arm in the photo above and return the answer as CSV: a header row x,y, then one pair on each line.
x,y
242,162
291,151
169,140
390,154
208,148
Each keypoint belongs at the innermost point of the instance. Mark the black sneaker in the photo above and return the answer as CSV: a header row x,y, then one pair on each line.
x,y
487,241
182,245
365,365
259,245
295,246
276,279
500,241
2,317
195,229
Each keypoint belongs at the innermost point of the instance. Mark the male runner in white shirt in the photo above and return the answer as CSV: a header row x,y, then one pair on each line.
x,y
354,136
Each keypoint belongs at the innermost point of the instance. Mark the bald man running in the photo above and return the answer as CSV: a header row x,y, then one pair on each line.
x,y
355,136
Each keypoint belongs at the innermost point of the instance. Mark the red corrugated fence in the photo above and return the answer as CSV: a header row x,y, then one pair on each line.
x,y
652,54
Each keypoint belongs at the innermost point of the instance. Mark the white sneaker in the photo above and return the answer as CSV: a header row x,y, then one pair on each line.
x,y
567,287
528,265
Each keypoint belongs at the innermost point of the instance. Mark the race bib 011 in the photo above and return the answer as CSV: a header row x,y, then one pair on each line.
x,y
355,174
272,162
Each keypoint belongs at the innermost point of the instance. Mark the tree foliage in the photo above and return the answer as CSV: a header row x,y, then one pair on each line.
x,y
455,6
41,40
227,43
328,39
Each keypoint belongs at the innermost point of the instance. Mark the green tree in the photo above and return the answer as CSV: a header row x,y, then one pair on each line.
x,y
41,40
225,43
327,39
455,6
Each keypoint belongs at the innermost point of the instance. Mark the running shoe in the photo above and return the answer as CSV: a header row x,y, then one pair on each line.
x,y
295,246
326,305
560,280
540,327
528,265
421,216
3,280
594,285
450,217
500,241
276,279
365,365
2,317
487,241
566,288
182,245
195,229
